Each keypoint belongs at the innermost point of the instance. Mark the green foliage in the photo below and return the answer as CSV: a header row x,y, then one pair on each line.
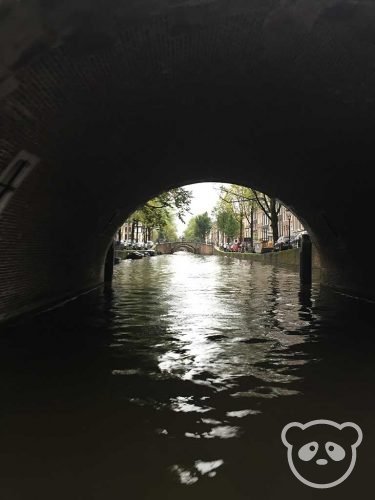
x,y
227,222
168,232
159,212
177,200
198,228
190,231
203,225
240,202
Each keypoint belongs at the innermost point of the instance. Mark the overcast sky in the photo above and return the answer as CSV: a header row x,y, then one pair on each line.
x,y
205,196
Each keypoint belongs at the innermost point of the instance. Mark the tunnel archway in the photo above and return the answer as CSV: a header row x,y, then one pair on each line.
x,y
177,247
120,104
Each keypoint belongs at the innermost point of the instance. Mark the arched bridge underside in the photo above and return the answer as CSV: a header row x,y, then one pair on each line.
x,y
193,247
117,101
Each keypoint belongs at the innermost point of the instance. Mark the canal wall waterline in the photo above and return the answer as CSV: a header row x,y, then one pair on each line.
x,y
287,258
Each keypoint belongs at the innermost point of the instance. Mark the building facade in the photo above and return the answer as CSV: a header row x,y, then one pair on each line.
x,y
133,232
261,236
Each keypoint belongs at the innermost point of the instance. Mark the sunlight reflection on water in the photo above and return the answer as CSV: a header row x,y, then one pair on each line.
x,y
220,326
175,382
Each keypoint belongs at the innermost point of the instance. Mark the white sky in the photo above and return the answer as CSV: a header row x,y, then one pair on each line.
x,y
205,196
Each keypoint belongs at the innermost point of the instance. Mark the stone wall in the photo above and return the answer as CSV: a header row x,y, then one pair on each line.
x,y
289,258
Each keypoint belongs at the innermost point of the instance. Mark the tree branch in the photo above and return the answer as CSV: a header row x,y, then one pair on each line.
x,y
261,205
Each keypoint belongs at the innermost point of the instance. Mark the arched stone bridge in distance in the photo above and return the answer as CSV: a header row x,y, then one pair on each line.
x,y
170,247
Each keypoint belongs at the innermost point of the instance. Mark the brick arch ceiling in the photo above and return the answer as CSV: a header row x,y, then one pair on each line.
x,y
120,100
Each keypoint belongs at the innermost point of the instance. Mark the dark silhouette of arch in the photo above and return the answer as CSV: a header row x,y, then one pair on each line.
x,y
183,246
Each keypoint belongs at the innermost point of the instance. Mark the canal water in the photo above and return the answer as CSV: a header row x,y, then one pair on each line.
x,y
176,382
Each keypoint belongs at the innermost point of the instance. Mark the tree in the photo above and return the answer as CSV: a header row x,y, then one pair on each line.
x,y
245,200
198,228
177,199
190,231
158,213
227,222
168,232
238,203
203,225
271,207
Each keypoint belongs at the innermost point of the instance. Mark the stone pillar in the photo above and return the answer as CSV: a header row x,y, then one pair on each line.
x,y
305,260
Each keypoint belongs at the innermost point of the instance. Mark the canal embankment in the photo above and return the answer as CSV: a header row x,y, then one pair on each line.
x,y
286,258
